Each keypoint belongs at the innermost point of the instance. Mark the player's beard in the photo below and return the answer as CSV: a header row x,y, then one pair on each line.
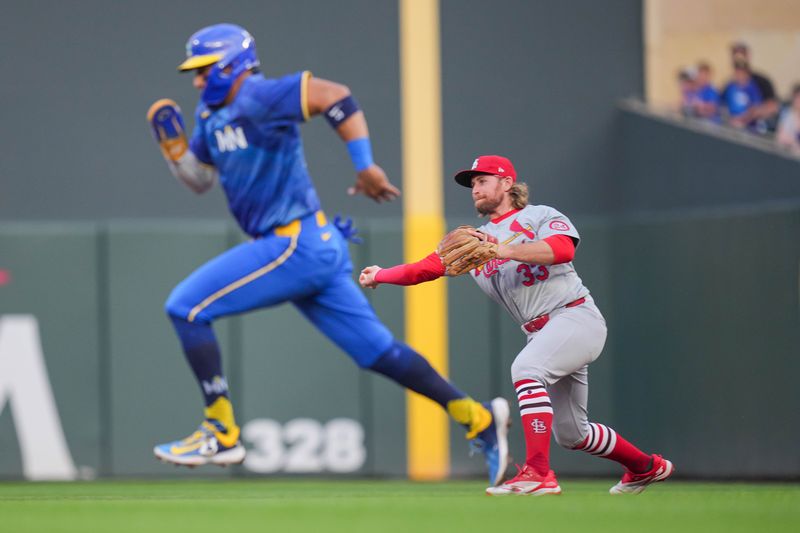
x,y
487,206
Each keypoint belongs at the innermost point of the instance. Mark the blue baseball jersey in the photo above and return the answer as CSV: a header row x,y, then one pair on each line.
x,y
708,94
255,144
739,98
297,255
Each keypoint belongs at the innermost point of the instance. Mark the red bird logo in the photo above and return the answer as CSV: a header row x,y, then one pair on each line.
x,y
516,226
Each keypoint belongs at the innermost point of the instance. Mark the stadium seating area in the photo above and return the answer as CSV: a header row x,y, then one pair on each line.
x,y
746,101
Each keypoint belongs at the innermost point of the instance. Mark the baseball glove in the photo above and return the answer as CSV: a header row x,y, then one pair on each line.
x,y
461,251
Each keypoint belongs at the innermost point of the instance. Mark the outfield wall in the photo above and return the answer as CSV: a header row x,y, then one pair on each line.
x,y
700,362
665,162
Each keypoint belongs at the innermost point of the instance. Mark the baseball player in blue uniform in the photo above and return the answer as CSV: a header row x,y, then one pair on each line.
x,y
247,138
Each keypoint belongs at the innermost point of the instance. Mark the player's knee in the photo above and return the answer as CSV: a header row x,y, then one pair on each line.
x,y
390,362
177,306
366,363
371,356
570,435
520,370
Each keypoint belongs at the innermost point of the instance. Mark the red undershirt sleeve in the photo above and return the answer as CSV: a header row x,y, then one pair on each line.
x,y
427,269
563,248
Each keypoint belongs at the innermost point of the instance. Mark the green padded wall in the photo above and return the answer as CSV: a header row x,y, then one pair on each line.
x,y
54,271
702,348
153,396
708,358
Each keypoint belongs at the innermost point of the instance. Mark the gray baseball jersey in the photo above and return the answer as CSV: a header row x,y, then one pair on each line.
x,y
527,291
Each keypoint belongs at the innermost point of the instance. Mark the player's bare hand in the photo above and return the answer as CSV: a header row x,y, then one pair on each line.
x,y
367,277
481,235
373,183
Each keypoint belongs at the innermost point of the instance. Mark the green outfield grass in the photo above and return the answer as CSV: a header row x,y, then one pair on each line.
x,y
239,506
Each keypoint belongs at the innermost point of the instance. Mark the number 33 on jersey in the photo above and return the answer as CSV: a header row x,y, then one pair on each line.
x,y
527,290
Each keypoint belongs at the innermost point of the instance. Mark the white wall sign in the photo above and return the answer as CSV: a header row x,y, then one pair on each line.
x,y
25,387
304,445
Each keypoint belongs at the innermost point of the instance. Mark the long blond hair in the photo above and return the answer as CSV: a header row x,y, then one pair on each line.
x,y
519,195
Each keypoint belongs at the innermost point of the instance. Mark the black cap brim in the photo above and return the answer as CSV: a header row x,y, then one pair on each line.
x,y
464,178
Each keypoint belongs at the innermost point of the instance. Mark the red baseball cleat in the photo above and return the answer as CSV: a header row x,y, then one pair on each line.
x,y
527,482
635,483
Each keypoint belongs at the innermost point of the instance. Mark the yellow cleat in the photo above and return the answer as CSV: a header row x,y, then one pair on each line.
x,y
212,443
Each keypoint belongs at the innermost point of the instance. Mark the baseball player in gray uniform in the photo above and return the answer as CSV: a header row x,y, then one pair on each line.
x,y
533,278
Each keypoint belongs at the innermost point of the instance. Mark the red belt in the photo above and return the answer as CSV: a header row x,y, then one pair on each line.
x,y
541,321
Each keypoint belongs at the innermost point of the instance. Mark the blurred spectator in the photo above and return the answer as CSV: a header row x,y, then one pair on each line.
x,y
767,109
688,88
699,99
789,123
742,98
707,104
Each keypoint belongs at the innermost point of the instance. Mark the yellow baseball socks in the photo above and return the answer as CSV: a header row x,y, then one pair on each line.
x,y
471,414
222,411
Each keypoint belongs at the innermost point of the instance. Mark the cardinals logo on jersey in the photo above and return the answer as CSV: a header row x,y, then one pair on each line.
x,y
517,227
491,268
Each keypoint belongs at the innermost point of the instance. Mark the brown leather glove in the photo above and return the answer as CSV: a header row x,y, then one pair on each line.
x,y
461,251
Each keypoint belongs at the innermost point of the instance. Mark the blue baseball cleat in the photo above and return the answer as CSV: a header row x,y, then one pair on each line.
x,y
210,444
492,442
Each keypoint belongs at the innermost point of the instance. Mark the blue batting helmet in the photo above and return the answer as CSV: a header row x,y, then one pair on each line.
x,y
225,46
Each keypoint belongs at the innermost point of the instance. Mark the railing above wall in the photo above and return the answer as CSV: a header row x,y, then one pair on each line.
x,y
666,162
760,142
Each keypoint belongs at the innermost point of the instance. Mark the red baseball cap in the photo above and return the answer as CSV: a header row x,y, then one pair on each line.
x,y
495,165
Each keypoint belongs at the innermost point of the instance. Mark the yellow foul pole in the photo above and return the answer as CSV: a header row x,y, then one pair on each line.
x,y
423,225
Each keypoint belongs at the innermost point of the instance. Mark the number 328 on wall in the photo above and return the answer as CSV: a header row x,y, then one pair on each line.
x,y
304,445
